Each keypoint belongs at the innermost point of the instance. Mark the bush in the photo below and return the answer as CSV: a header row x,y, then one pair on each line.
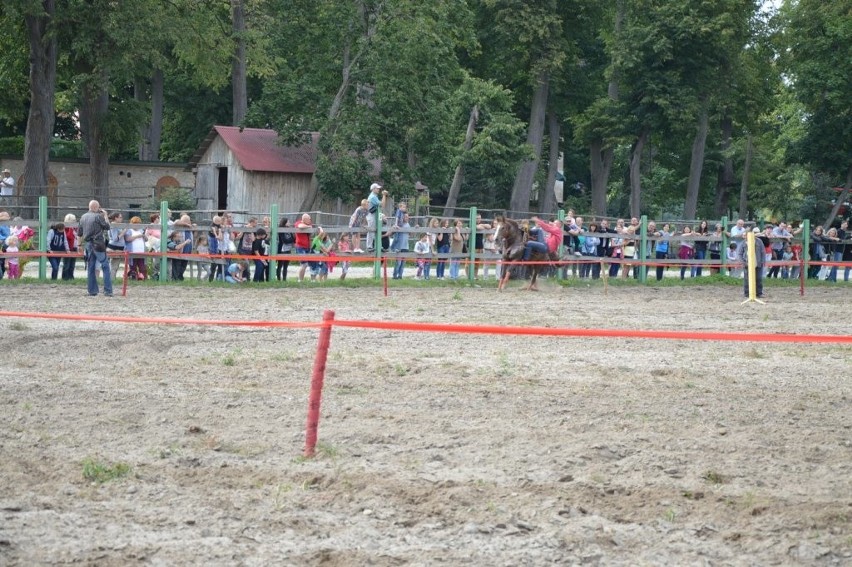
x,y
178,199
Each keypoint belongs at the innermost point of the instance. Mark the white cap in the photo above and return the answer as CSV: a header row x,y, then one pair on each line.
x,y
756,230
375,186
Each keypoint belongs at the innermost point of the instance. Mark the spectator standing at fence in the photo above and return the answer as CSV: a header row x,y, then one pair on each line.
x,y
91,231
357,223
286,240
7,188
260,251
817,251
245,241
456,247
781,237
70,262
628,247
217,270
846,247
58,243
322,246
432,234
832,243
373,210
701,245
344,247
714,247
13,263
134,241
304,233
737,233
661,249
202,248
443,242
183,226
115,242
686,251
5,232
787,255
589,250
734,269
423,251
479,244
400,244
489,246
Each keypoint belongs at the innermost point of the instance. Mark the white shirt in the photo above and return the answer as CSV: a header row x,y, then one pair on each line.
x,y
7,186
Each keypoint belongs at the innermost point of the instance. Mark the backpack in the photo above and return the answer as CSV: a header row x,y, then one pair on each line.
x,y
57,243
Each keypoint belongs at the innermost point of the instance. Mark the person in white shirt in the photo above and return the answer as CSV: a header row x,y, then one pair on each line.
x,y
7,187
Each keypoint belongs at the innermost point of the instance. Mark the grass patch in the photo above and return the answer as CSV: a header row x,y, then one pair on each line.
x,y
96,471
18,326
714,477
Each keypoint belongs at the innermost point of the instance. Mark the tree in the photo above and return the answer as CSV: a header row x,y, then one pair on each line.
x,y
819,39
39,18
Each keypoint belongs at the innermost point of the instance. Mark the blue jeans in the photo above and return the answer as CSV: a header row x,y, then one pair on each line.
x,y
534,245
54,267
832,273
95,259
454,269
439,270
398,267
699,255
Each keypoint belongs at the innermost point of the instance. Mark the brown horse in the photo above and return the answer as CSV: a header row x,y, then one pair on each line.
x,y
513,239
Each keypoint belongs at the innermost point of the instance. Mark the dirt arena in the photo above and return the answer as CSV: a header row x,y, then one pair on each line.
x,y
178,445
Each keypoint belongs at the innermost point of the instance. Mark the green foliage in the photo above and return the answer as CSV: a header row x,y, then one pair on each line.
x,y
178,199
12,146
100,472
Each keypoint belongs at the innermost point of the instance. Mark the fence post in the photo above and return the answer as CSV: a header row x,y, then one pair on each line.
x,y
273,240
806,245
42,237
164,239
561,217
723,248
643,249
471,243
317,379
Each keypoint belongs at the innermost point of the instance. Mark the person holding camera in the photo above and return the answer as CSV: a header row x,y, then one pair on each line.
x,y
374,205
91,230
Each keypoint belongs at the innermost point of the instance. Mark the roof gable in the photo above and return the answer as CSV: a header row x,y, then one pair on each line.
x,y
257,149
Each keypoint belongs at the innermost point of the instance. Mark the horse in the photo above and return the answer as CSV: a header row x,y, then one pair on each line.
x,y
513,240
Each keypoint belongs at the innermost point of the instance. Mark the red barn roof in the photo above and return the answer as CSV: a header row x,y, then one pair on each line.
x,y
258,149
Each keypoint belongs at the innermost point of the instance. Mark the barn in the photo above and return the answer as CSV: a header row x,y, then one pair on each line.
x,y
246,170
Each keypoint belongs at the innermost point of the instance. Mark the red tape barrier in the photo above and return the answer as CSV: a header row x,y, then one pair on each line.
x,y
461,329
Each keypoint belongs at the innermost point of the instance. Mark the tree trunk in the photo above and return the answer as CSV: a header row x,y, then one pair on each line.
x,y
547,198
699,144
841,198
602,153
636,172
458,178
238,66
94,105
522,188
151,133
41,116
743,207
725,179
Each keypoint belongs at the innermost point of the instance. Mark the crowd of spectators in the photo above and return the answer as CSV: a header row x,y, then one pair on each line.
x,y
588,250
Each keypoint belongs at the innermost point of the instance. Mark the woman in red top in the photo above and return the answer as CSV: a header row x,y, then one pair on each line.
x,y
70,262
304,230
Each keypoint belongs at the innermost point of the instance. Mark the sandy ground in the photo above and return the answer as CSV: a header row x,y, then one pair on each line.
x,y
434,449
